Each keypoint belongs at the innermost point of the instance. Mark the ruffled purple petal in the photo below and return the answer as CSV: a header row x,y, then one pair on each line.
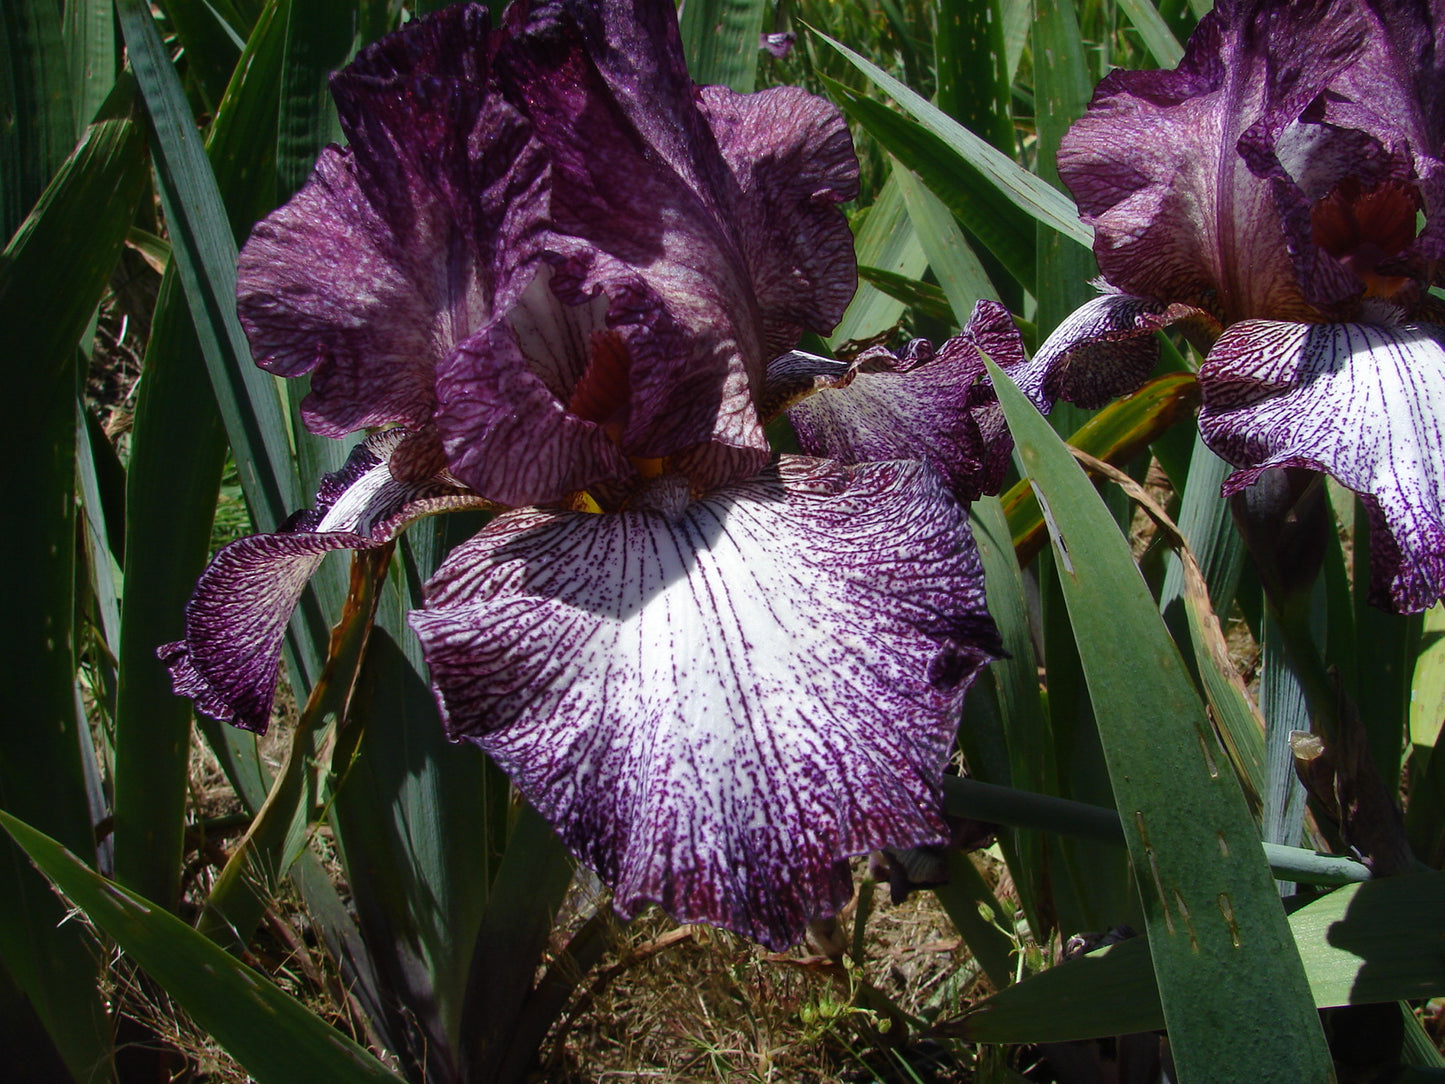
x,y
1203,183
715,701
1176,213
561,169
400,246
933,406
1103,349
793,159
236,619
504,393
1380,127
1362,402
711,250
641,211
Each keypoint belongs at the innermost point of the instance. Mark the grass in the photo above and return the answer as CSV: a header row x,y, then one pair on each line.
x,y
694,1004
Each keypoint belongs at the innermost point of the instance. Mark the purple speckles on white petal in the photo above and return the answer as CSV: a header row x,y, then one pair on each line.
x,y
714,702
1104,348
1364,402
236,619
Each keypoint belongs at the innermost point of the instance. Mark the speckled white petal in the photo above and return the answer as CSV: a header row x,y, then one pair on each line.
x,y
1363,402
1103,349
236,619
716,701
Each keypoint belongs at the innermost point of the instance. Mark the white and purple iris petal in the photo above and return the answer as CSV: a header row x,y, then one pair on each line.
x,y
1103,349
716,700
236,619
926,405
1364,403
1287,170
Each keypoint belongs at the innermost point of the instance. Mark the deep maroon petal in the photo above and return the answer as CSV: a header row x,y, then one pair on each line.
x,y
708,221
793,159
1363,402
236,619
1103,349
558,169
641,212
400,246
1202,183
715,701
1381,119
932,406
503,421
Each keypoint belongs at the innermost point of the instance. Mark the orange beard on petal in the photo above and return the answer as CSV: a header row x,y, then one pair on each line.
x,y
604,396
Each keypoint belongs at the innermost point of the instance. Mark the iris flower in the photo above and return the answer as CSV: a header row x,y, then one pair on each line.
x,y
557,271
1282,189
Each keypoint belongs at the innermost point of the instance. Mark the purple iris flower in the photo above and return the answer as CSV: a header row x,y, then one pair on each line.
x,y
559,270
1281,190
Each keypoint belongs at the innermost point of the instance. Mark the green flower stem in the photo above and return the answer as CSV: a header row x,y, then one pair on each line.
x,y
1292,618
1045,813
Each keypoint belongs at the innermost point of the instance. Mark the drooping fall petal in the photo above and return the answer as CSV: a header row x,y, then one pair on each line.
x,y
927,405
715,701
236,619
1103,349
1361,402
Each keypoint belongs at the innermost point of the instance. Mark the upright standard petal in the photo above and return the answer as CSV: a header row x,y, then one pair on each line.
x,y
792,156
933,406
401,245
1212,184
560,172
716,701
711,250
236,619
633,217
1362,402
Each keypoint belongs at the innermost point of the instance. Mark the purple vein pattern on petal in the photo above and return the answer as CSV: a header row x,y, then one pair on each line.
x,y
793,159
1104,348
236,619
400,245
1362,402
932,406
714,702
703,269
1199,181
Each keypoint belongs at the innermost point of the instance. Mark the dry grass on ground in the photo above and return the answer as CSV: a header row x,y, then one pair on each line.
x,y
668,1003
693,1004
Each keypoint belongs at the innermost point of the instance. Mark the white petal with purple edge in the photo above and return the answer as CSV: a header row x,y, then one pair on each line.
x,y
1102,349
236,619
1363,402
715,701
